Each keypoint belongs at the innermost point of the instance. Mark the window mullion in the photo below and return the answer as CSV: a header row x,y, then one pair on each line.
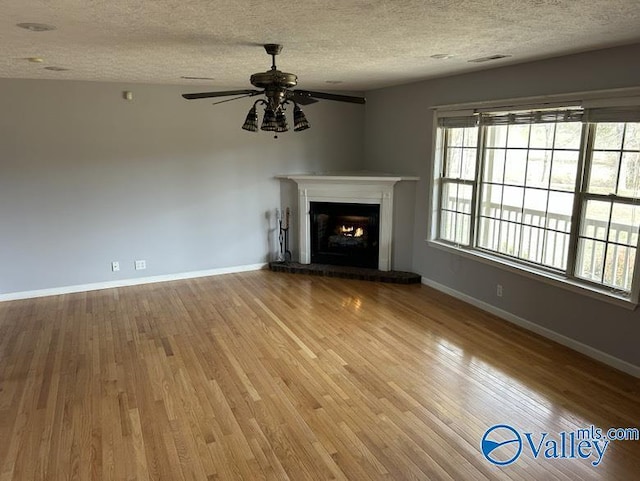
x,y
635,282
606,243
620,155
445,150
504,174
611,197
475,192
582,179
545,229
443,170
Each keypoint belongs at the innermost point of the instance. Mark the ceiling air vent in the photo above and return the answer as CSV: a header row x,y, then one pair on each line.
x,y
189,77
489,58
36,27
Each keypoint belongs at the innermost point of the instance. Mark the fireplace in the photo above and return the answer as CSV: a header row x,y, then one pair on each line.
x,y
345,233
374,190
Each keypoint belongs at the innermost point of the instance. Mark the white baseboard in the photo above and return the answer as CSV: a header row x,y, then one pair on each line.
x,y
585,349
55,291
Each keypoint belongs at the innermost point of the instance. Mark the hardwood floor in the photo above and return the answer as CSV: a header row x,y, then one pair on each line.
x,y
267,375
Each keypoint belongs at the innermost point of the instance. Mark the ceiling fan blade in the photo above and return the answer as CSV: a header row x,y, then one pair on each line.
x,y
234,98
206,95
328,96
301,98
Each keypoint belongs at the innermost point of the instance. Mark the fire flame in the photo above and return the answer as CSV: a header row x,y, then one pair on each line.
x,y
351,231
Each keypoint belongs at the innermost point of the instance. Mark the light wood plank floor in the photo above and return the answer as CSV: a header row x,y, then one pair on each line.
x,y
266,375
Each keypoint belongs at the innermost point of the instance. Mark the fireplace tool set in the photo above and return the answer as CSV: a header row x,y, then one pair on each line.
x,y
284,255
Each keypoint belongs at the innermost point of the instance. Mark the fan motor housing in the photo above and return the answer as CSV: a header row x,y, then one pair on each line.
x,y
274,78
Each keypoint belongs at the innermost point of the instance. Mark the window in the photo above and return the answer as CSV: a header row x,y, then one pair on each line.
x,y
554,190
608,237
458,183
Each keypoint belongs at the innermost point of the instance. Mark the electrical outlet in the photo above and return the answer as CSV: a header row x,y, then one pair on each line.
x,y
140,265
499,290
115,266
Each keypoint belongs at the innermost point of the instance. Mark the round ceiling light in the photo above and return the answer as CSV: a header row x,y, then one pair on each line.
x,y
36,27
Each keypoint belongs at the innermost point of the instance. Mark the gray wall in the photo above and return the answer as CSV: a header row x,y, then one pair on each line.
x,y
87,177
398,138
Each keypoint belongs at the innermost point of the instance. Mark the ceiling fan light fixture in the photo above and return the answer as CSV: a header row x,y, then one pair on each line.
x,y
269,120
251,122
278,89
281,122
300,121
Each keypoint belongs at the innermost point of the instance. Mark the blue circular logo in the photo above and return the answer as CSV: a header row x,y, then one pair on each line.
x,y
501,445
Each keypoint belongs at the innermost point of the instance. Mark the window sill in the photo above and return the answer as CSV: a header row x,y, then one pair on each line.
x,y
539,275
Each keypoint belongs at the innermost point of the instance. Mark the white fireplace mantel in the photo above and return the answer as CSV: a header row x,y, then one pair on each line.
x,y
355,188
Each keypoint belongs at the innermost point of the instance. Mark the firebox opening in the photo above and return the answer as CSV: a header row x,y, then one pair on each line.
x,y
345,234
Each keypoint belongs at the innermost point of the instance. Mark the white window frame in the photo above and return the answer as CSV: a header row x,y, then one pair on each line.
x,y
566,279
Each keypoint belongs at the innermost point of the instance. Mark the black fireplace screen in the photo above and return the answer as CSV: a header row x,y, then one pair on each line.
x,y
345,234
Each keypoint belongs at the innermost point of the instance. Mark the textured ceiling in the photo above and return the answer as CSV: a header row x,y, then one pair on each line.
x,y
329,44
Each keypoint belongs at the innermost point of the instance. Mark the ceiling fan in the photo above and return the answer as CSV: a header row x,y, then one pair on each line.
x,y
277,87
